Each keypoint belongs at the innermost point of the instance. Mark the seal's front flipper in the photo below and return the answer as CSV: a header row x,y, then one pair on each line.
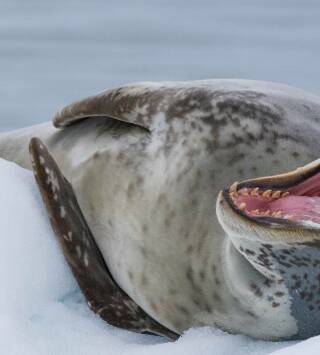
x,y
103,294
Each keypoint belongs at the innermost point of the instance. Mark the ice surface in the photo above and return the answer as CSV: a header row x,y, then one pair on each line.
x,y
42,310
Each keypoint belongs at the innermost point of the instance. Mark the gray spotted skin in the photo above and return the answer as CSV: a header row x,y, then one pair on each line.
x,y
291,280
298,267
146,162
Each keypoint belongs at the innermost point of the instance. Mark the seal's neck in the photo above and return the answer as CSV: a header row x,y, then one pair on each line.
x,y
283,278
261,299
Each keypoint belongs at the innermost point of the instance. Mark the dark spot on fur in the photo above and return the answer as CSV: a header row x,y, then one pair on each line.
x,y
302,295
268,282
167,221
250,252
251,314
241,172
201,240
190,249
162,198
235,158
193,202
143,251
195,301
216,297
140,180
279,294
144,280
253,286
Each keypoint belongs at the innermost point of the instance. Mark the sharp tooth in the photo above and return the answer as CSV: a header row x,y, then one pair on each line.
x,y
255,191
244,192
255,211
267,193
285,194
267,213
233,187
242,205
288,216
233,195
276,194
276,214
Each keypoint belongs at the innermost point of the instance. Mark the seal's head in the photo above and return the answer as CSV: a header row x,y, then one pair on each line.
x,y
274,224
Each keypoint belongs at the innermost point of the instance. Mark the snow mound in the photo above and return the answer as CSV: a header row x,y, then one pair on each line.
x,y
43,312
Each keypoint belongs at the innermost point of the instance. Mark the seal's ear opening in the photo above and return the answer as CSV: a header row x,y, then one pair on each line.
x,y
103,294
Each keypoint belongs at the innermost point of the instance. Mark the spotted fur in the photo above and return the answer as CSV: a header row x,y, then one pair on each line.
x,y
102,293
147,161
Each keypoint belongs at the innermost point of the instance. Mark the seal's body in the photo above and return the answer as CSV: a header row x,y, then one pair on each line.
x,y
146,163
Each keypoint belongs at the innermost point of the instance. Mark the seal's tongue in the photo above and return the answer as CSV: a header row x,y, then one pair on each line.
x,y
299,203
300,208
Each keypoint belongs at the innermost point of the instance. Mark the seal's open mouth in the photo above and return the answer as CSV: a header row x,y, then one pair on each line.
x,y
292,197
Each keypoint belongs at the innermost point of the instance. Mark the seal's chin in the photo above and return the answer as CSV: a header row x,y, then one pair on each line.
x,y
289,199
272,231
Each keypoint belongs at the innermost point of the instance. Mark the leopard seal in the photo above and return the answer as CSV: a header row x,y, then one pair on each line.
x,y
139,185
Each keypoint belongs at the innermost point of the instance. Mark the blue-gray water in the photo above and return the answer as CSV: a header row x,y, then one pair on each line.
x,y
53,52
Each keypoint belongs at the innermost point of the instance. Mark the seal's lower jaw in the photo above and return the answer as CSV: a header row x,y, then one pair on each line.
x,y
288,203
272,226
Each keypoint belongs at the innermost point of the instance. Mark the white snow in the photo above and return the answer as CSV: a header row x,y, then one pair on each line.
x,y
43,312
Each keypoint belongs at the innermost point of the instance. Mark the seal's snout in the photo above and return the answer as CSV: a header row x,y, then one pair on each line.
x,y
273,224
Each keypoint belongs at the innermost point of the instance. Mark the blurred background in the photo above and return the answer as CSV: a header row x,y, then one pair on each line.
x,y
54,52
